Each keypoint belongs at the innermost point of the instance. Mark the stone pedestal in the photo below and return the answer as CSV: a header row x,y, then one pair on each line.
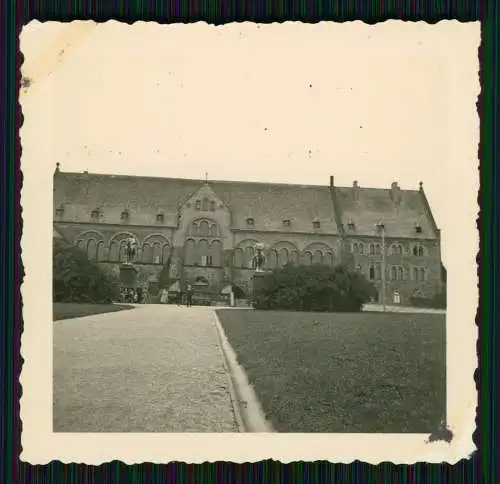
x,y
256,283
128,275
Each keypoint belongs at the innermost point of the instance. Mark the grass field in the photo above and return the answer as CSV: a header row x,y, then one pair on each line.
x,y
365,372
76,310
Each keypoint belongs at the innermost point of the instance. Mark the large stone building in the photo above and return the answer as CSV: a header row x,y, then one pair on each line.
x,y
206,231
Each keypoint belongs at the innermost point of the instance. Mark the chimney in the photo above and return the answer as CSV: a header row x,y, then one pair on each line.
x,y
395,193
421,186
355,190
58,167
331,181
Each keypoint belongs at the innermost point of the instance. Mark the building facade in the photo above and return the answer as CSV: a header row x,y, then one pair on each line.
x,y
205,232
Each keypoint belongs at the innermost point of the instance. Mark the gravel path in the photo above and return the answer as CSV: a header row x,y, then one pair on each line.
x,y
150,369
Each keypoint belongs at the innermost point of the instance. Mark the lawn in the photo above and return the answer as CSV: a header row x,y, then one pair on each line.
x,y
76,310
364,372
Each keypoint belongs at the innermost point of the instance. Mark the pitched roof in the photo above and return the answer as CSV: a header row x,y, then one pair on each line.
x,y
269,204
374,205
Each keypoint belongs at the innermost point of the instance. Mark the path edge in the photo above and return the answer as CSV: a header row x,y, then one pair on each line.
x,y
247,407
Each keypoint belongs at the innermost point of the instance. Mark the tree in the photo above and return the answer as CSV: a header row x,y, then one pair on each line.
x,y
164,277
313,288
75,278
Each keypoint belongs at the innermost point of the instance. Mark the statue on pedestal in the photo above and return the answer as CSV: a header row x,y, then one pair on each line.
x,y
130,250
259,258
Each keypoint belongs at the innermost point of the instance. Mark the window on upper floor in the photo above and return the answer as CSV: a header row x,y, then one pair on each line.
x,y
397,273
286,222
351,226
375,272
59,211
396,249
396,297
250,221
418,251
419,274
418,229
124,215
95,214
205,205
197,205
160,218
316,224
212,206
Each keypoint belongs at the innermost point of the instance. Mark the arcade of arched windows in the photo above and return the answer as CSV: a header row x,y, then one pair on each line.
x,y
204,228
280,256
154,250
206,253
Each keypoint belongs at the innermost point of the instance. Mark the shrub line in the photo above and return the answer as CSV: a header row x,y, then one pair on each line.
x,y
248,410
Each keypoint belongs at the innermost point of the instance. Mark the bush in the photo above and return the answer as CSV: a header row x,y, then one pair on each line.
x,y
437,302
76,279
313,288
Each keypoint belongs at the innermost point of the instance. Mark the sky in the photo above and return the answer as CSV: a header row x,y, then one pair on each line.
x,y
292,103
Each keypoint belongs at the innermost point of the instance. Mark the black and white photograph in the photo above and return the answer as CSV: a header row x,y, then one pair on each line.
x,y
249,241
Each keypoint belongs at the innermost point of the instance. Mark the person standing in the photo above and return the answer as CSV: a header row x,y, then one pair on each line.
x,y
189,295
163,296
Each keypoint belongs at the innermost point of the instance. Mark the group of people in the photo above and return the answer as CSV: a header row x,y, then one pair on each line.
x,y
185,297
134,296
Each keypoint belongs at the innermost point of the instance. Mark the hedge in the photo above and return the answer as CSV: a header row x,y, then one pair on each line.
x,y
316,288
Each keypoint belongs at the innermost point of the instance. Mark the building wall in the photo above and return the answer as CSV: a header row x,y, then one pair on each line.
x,y
410,272
202,228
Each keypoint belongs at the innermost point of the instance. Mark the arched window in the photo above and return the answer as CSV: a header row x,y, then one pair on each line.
x,y
249,253
378,272
91,250
123,248
418,251
205,205
216,251
147,254
204,228
101,255
273,259
165,253
361,250
396,298
372,249
378,249
294,258
203,253
283,257
194,229
393,273
238,258
113,252
318,257
307,258
82,245
329,259
399,273
190,256
157,253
